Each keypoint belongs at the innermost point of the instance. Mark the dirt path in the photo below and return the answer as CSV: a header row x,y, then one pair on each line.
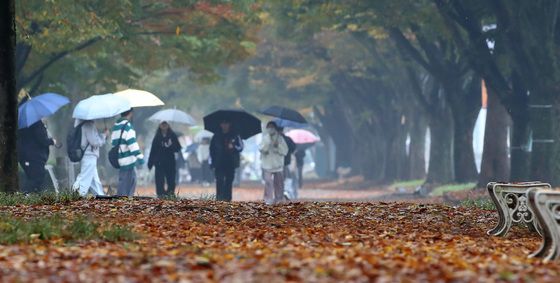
x,y
316,191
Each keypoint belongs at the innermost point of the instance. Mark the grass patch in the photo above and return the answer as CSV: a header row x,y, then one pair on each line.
x,y
119,233
408,184
17,230
481,203
439,191
46,198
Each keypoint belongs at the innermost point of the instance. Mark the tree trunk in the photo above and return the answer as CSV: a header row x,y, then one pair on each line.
x,y
440,170
520,154
8,99
465,167
495,161
417,149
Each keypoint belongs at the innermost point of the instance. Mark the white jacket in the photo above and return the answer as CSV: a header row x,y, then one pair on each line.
x,y
272,157
203,152
92,139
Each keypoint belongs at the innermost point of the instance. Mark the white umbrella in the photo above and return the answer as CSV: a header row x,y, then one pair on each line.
x,y
100,107
203,134
140,98
173,115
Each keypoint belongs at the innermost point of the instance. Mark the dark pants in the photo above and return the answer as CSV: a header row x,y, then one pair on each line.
x,y
224,181
127,182
206,172
35,173
165,172
300,176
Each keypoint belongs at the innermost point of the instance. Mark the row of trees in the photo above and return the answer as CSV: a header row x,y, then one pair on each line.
x,y
420,64
370,73
374,73
79,48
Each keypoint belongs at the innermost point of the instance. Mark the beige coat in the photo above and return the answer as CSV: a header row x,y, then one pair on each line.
x,y
273,150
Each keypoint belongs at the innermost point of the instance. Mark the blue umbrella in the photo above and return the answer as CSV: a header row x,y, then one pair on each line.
x,y
289,124
39,107
101,107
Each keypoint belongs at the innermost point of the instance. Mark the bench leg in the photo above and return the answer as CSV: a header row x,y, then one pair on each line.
x,y
501,212
539,217
548,215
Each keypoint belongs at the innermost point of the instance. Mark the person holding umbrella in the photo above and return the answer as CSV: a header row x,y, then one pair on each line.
x,y
34,145
162,157
229,126
289,182
273,150
124,136
91,141
225,149
33,140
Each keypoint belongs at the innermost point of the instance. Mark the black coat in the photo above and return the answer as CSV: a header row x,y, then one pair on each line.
x,y
291,149
223,157
164,149
33,143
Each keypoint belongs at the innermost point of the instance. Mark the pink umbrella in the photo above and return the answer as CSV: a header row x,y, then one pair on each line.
x,y
301,136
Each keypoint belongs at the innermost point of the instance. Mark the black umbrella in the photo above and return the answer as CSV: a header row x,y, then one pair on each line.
x,y
243,123
284,113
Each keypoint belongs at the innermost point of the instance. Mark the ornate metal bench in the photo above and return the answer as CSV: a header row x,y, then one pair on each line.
x,y
511,202
546,205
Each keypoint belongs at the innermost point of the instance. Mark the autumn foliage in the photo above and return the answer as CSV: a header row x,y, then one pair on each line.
x,y
250,242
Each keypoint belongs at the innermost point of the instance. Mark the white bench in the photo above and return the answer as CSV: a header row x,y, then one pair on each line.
x,y
546,205
511,202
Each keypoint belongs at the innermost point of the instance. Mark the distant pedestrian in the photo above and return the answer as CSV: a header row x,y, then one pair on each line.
x,y
300,161
203,155
88,179
124,136
33,152
162,157
290,186
273,150
225,148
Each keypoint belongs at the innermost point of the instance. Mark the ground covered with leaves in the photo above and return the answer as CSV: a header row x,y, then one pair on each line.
x,y
203,241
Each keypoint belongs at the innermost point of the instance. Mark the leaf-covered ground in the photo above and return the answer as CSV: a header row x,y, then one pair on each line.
x,y
202,241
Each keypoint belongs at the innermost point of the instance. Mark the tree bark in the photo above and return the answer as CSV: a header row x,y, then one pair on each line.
x,y
417,149
440,169
520,132
463,153
8,98
495,161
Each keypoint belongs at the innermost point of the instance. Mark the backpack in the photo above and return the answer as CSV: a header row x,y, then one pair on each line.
x,y
114,152
74,144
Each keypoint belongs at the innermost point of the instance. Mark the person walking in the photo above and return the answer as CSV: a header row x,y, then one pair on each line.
x,y
225,149
124,136
33,152
162,156
300,158
273,150
203,155
88,179
290,189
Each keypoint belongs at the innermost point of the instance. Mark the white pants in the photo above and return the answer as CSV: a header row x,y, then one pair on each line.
x,y
88,177
273,187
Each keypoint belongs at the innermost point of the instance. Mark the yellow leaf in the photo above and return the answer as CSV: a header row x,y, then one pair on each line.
x,y
178,30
